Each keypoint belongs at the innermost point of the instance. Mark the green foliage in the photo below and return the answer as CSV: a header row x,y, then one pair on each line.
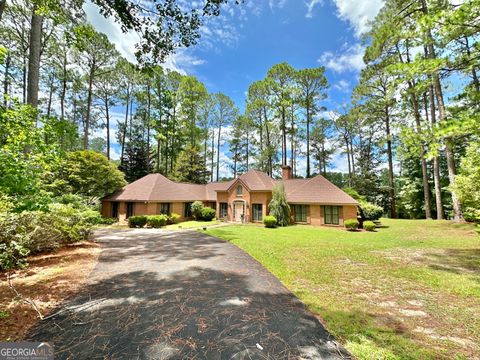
x,y
87,173
270,221
351,224
174,218
190,166
138,221
197,208
369,225
370,211
157,221
278,206
354,194
208,214
467,182
30,232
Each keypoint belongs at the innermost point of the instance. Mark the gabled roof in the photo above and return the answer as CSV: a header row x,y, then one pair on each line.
x,y
316,190
158,188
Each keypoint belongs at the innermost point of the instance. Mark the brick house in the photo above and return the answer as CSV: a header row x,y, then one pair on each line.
x,y
314,201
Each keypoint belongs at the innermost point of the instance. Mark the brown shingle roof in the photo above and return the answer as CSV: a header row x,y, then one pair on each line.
x,y
157,188
317,190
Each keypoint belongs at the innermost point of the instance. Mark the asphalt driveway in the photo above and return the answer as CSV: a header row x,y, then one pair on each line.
x,y
182,295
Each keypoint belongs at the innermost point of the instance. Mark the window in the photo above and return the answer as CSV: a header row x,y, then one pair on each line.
x,y
331,214
114,209
129,209
300,213
223,210
187,211
239,190
164,208
257,212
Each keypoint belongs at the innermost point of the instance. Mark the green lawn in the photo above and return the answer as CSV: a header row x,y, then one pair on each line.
x,y
192,224
411,290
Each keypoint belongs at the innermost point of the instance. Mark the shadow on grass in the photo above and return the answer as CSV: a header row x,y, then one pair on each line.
x,y
458,261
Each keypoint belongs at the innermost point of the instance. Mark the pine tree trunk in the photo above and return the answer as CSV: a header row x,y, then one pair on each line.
x,y
34,58
107,119
89,107
436,163
437,88
149,103
212,162
284,138
308,141
50,96
391,183
64,86
24,80
218,148
6,80
124,133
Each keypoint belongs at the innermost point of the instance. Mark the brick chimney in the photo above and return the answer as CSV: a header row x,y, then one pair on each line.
x,y
286,172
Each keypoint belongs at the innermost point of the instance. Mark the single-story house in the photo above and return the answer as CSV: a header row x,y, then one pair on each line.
x,y
313,201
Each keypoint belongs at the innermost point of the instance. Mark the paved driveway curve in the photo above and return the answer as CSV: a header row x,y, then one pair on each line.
x,y
182,295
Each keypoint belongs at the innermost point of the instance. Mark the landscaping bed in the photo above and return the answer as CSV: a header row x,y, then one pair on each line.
x,y
49,280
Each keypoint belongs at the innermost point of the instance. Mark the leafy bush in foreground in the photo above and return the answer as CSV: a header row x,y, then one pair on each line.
x,y
351,224
157,221
138,221
369,225
31,232
208,214
270,221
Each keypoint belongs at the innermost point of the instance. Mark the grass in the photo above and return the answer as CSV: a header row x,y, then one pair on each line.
x,y
193,224
410,290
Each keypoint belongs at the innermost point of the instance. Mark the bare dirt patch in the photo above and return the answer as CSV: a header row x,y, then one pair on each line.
x,y
49,280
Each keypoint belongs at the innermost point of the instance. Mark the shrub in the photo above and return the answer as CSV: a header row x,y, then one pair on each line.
x,y
197,208
30,232
208,214
270,221
370,211
174,218
157,221
351,224
137,221
369,225
278,206
471,214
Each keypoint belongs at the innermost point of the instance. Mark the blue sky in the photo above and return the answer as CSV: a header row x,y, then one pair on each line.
x,y
240,46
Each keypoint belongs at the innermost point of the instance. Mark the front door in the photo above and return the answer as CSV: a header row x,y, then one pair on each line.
x,y
238,211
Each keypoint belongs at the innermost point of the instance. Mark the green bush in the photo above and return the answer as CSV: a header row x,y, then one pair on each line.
x,y
197,208
31,232
369,225
270,221
278,206
137,221
157,221
370,211
174,218
208,214
471,214
351,224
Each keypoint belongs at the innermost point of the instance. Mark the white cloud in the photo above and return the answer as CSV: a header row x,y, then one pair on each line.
x,y
358,13
311,5
276,3
351,59
342,85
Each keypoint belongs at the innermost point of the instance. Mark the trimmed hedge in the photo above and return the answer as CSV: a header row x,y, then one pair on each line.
x,y
138,221
369,225
270,221
157,221
208,214
351,224
371,211
197,208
